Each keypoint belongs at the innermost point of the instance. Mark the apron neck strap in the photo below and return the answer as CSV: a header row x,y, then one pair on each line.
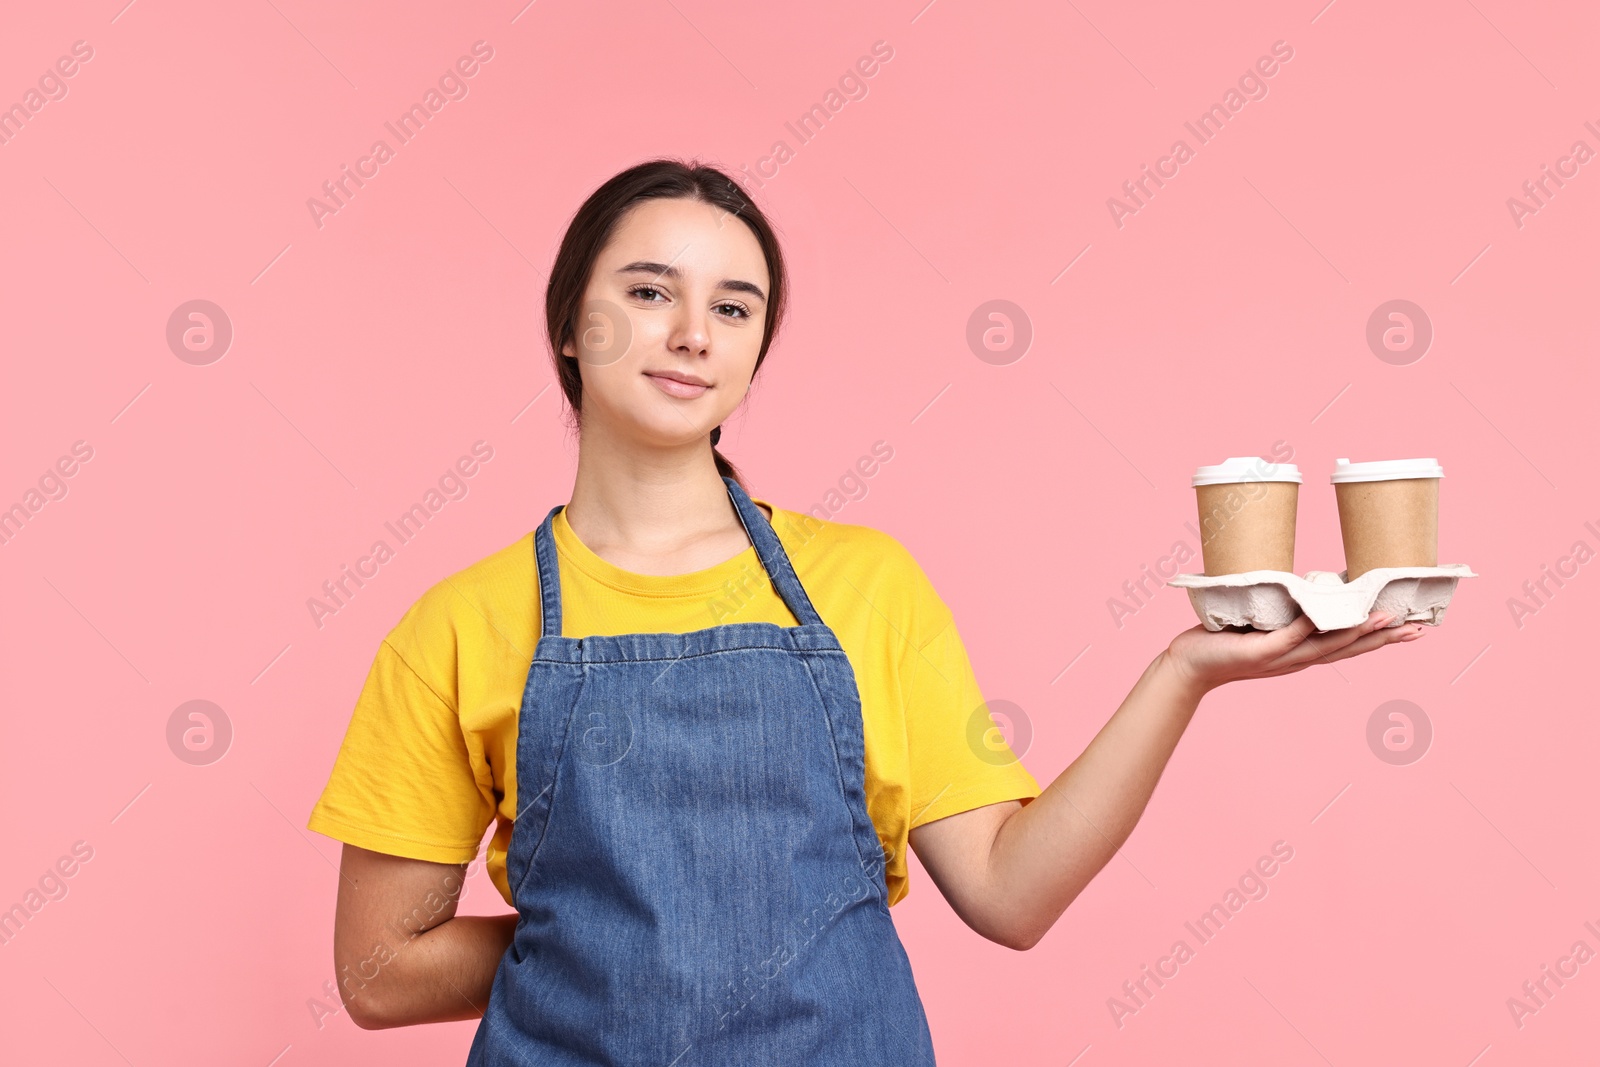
x,y
772,555
544,556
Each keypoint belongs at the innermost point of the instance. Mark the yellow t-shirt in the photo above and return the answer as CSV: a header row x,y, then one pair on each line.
x,y
429,758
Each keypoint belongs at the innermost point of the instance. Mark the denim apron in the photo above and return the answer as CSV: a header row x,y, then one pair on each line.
x,y
696,878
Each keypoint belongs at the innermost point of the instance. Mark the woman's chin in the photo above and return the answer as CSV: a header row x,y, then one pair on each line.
x,y
679,433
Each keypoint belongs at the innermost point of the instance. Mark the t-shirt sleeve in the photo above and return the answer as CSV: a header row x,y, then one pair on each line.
x,y
403,783
959,757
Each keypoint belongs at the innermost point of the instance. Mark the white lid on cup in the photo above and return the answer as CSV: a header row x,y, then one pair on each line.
x,y
1245,469
1385,470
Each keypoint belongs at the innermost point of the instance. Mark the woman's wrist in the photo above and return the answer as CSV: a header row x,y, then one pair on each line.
x,y
1182,677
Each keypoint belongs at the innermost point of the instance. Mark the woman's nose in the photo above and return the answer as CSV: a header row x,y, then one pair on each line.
x,y
691,331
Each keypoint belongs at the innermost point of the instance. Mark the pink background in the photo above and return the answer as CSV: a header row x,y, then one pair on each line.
x,y
1227,314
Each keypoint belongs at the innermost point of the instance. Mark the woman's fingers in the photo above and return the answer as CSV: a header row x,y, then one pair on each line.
x,y
1393,636
1322,646
1288,649
1275,643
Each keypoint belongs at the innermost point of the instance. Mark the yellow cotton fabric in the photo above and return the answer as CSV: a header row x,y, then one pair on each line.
x,y
429,758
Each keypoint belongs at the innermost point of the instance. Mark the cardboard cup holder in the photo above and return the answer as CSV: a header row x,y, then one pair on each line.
x,y
1271,600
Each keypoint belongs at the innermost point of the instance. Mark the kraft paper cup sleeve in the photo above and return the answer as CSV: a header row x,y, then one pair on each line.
x,y
1388,513
1246,510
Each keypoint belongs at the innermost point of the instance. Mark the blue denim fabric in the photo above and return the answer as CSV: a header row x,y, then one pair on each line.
x,y
696,878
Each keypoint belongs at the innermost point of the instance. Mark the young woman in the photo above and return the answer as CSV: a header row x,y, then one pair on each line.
x,y
708,727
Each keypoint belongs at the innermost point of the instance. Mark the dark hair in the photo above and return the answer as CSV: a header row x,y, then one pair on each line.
x,y
593,225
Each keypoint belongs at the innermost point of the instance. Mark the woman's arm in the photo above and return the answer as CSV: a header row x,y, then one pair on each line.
x,y
1009,870
401,954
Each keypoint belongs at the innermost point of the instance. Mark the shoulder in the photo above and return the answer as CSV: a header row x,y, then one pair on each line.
x,y
488,604
857,567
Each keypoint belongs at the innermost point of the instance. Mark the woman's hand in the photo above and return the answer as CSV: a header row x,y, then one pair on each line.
x,y
1209,658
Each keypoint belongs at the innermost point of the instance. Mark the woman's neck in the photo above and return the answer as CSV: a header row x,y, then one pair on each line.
x,y
665,511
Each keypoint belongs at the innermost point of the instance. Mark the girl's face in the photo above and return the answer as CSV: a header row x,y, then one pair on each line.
x,y
671,323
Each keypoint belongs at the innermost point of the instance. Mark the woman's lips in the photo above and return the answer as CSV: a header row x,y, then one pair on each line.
x,y
673,387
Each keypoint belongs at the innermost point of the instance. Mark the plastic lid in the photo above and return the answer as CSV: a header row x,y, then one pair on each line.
x,y
1385,470
1245,469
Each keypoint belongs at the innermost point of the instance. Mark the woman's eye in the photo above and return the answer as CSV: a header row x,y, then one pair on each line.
x,y
649,294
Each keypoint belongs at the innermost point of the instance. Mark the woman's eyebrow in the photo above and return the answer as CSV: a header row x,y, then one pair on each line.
x,y
666,270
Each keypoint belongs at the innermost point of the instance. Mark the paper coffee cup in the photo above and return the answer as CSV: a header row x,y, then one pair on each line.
x,y
1247,510
1388,513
